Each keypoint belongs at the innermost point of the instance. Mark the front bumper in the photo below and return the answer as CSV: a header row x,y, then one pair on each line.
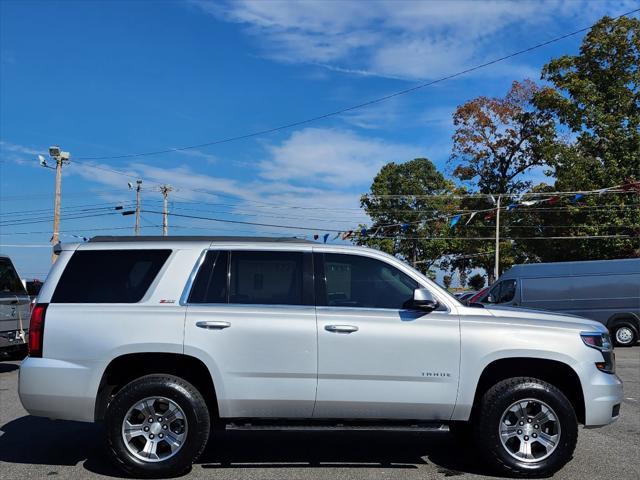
x,y
603,397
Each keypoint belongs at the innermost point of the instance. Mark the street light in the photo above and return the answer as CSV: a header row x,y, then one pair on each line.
x,y
60,158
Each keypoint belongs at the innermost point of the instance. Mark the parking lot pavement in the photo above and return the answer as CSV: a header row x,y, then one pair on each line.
x,y
32,447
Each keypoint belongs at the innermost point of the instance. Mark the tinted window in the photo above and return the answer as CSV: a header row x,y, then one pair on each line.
x,y
268,278
507,291
210,285
355,281
503,292
109,276
10,283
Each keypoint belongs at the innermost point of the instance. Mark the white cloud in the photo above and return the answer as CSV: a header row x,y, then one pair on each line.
x,y
12,147
406,39
313,179
332,157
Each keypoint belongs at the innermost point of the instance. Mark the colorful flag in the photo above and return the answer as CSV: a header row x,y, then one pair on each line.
x,y
325,237
454,220
473,214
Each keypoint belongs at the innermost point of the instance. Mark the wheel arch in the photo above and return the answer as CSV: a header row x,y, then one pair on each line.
x,y
624,316
557,373
126,368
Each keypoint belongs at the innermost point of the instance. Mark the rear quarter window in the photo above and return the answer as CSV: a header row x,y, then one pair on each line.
x,y
109,276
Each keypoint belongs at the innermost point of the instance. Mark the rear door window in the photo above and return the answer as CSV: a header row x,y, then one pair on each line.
x,y
109,276
10,283
268,278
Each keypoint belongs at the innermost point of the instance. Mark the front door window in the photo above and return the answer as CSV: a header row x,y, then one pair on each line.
x,y
363,282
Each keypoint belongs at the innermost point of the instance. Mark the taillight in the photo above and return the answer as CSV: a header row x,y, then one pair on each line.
x,y
36,329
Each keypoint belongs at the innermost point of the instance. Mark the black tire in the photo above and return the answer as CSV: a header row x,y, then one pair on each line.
x,y
627,332
187,397
492,407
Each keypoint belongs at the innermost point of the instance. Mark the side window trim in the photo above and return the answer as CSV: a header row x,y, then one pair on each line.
x,y
186,292
320,280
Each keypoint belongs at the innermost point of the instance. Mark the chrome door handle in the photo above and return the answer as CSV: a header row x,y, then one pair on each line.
x,y
213,324
341,328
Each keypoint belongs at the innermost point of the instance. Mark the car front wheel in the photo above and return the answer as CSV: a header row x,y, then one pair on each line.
x,y
526,427
157,426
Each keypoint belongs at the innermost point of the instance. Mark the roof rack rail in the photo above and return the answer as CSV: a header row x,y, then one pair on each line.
x,y
185,238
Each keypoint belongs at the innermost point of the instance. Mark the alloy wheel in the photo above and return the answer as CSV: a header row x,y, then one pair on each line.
x,y
154,429
529,430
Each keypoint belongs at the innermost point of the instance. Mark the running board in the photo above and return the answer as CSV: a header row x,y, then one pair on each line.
x,y
339,427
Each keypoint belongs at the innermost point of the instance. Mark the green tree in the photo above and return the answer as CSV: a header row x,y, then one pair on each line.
x,y
446,281
476,281
402,195
595,98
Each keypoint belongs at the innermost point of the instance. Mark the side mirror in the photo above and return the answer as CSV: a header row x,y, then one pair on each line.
x,y
423,300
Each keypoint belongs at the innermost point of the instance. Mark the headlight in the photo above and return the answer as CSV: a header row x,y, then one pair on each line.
x,y
601,342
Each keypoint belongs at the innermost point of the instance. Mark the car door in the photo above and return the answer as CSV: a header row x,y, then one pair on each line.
x,y
378,357
251,316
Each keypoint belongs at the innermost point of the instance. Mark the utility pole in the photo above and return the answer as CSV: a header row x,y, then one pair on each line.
x,y
61,158
496,271
138,187
165,189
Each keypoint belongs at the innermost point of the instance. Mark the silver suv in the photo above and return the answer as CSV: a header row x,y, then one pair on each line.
x,y
162,337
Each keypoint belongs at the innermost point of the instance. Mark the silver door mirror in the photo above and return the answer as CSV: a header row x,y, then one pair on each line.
x,y
423,300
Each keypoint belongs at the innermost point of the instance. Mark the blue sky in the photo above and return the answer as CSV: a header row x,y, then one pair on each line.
x,y
104,78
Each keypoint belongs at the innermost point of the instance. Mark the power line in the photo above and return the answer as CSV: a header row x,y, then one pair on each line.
x,y
79,230
240,222
48,220
357,106
292,227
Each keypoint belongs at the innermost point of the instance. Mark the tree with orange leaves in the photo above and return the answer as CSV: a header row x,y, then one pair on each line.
x,y
497,140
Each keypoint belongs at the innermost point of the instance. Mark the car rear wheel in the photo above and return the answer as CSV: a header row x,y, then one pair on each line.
x,y
624,334
526,427
157,426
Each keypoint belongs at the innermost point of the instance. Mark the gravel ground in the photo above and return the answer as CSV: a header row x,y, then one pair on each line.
x,y
32,447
